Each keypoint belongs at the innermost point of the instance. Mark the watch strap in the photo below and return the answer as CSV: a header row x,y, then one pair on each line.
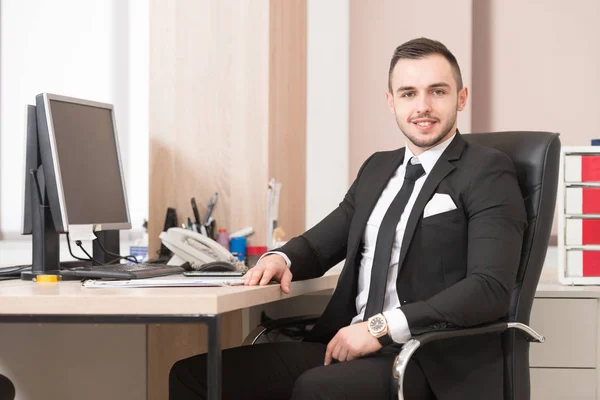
x,y
385,340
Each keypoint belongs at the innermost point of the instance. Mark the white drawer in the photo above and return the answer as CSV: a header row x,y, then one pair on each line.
x,y
583,263
582,231
563,384
569,326
582,200
582,168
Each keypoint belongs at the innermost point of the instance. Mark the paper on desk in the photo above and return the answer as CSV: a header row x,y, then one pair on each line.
x,y
165,281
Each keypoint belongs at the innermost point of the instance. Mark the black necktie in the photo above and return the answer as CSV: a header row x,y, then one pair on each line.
x,y
385,240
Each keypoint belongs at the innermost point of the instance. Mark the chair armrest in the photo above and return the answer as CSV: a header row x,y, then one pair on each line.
x,y
415,342
274,324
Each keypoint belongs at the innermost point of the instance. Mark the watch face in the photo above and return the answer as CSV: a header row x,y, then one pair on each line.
x,y
376,324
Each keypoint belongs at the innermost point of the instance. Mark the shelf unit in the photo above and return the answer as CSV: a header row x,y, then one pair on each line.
x,y
578,242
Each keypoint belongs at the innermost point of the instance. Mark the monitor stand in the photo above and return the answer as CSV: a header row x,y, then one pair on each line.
x,y
45,238
110,241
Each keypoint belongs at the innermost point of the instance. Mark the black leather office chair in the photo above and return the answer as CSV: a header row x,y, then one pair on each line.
x,y
7,389
536,159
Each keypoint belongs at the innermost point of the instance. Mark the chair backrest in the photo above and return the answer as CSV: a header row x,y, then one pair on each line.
x,y
536,157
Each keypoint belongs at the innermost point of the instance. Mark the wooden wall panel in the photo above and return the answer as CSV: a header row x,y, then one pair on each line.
x,y
287,110
209,111
227,112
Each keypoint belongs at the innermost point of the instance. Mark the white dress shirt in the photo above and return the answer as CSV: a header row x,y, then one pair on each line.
x,y
397,323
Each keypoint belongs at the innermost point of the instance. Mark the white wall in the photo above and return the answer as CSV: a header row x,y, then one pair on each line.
x,y
137,135
96,50
327,107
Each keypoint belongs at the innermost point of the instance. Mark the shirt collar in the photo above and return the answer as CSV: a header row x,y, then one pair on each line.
x,y
429,157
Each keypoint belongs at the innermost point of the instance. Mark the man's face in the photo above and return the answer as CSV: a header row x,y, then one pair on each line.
x,y
425,101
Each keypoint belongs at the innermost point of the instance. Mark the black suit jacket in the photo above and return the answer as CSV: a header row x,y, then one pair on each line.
x,y
456,269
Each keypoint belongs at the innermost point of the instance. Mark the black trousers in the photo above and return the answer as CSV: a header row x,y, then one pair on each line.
x,y
295,370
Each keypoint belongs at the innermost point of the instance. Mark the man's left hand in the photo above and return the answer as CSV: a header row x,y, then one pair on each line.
x,y
350,343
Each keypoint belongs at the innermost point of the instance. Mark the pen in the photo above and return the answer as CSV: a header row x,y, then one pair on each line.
x,y
211,205
196,214
213,226
209,228
189,223
203,230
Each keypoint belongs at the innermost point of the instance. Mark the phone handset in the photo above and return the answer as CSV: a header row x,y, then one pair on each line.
x,y
195,248
205,244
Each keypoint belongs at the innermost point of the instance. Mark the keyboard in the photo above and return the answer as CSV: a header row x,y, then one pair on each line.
x,y
122,271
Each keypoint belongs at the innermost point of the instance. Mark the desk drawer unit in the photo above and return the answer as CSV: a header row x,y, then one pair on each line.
x,y
570,327
563,384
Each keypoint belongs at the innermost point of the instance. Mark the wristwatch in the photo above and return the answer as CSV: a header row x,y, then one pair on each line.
x,y
378,327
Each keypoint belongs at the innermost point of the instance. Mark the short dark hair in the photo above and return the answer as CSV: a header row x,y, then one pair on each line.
x,y
417,49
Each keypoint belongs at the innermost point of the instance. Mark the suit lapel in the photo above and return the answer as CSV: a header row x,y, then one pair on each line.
x,y
377,184
440,170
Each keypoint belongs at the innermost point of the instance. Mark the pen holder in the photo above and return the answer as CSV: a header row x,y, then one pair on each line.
x,y
237,246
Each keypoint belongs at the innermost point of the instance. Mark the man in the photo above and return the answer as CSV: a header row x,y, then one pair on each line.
x,y
431,234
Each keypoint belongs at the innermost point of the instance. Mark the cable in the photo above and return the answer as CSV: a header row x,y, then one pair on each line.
x,y
73,255
78,243
13,271
118,259
110,253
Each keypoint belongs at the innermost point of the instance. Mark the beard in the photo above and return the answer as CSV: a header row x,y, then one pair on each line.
x,y
428,141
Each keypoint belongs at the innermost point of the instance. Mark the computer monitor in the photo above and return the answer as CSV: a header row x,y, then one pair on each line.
x,y
82,164
73,174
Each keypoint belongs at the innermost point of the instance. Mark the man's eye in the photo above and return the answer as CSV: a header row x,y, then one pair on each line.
x,y
407,94
438,92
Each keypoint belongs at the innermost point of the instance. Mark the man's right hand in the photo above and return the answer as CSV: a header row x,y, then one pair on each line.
x,y
271,267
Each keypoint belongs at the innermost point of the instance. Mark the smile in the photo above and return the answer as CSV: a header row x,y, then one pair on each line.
x,y
424,124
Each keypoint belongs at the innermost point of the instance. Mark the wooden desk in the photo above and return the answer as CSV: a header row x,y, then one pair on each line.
x,y
69,302
566,366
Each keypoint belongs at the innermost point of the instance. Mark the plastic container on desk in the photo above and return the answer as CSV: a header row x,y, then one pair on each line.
x,y
223,238
237,246
253,254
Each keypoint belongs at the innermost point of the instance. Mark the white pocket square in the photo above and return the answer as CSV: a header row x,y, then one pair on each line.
x,y
438,204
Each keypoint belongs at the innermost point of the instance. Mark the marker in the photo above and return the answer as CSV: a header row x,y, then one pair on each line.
x,y
196,215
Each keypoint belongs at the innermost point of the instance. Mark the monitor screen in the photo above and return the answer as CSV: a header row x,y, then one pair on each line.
x,y
87,163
